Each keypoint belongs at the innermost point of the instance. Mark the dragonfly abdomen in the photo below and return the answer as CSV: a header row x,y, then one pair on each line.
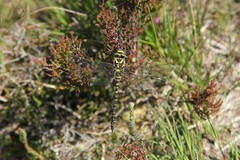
x,y
119,64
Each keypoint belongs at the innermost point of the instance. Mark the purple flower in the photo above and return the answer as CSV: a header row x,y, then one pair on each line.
x,y
157,20
184,13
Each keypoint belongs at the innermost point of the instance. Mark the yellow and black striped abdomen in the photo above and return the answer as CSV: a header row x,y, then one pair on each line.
x,y
119,64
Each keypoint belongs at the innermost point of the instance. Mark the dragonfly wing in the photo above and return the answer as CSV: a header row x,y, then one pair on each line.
x,y
154,73
103,72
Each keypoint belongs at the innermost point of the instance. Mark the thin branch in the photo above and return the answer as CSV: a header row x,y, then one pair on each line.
x,y
59,8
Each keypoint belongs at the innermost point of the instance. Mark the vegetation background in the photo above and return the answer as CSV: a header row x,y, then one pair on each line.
x,y
41,118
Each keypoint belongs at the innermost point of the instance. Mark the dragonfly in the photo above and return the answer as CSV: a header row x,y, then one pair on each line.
x,y
121,72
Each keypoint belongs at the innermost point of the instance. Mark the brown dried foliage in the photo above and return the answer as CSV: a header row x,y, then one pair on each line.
x,y
63,63
132,151
204,100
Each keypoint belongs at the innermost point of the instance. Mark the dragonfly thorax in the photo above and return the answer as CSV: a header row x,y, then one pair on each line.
x,y
119,59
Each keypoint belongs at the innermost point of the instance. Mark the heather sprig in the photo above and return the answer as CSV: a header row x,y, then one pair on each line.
x,y
64,63
204,100
122,25
133,151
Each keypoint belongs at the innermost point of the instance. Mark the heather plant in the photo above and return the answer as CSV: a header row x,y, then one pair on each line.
x,y
203,101
122,25
63,63
134,151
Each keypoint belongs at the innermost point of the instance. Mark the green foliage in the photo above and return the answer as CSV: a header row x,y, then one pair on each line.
x,y
132,122
84,26
1,58
11,12
165,37
184,143
23,138
235,152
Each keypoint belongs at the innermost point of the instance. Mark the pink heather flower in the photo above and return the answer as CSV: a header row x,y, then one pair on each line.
x,y
184,13
157,20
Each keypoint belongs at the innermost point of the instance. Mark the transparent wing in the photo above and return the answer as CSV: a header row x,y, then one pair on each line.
x,y
148,77
103,72
154,71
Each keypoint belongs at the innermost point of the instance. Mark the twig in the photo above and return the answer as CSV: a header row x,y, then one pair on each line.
x,y
75,114
9,128
59,8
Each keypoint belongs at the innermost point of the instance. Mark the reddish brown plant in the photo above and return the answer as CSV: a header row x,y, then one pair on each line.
x,y
204,100
132,151
64,63
122,25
